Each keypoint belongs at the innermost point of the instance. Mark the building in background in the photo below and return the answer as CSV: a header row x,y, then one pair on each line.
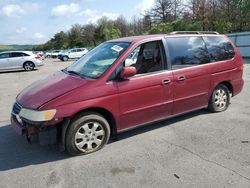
x,y
242,41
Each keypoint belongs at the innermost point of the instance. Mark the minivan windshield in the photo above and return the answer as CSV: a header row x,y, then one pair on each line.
x,y
98,60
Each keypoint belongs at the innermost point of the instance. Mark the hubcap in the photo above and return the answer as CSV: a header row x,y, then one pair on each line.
x,y
89,136
220,98
28,66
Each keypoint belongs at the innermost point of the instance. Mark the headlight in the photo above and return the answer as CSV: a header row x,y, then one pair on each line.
x,y
37,116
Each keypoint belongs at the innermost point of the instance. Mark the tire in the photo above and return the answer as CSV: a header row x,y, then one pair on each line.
x,y
65,58
220,99
28,66
89,132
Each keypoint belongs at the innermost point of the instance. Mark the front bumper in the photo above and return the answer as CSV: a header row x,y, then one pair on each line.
x,y
35,133
18,127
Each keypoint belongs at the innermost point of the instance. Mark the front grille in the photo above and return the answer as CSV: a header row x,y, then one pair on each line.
x,y
16,108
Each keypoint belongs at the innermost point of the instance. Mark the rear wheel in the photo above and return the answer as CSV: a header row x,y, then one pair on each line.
x,y
220,99
29,66
87,133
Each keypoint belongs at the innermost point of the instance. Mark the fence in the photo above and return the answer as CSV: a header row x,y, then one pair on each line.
x,y
242,41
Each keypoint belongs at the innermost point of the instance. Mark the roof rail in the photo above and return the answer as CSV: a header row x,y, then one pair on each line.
x,y
194,32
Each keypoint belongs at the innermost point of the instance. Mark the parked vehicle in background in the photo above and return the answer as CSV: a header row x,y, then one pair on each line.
x,y
132,58
54,54
73,54
101,95
48,54
19,60
61,54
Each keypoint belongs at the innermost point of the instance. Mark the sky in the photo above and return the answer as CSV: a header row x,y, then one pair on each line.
x,y
36,21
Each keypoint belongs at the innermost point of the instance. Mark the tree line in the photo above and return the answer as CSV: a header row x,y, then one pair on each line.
x,y
224,16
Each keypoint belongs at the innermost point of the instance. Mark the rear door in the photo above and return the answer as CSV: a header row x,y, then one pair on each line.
x,y
191,71
5,62
147,96
17,59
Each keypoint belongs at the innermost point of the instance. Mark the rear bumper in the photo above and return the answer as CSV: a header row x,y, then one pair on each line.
x,y
39,63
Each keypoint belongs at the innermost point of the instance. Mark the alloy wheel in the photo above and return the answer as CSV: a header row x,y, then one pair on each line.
x,y
220,99
89,137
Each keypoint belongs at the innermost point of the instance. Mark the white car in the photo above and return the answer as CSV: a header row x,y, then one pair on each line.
x,y
73,54
48,54
19,60
55,53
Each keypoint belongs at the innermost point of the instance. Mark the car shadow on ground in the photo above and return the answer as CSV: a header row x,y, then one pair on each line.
x,y
16,71
16,152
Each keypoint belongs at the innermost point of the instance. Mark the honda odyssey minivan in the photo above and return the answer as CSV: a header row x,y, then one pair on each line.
x,y
105,93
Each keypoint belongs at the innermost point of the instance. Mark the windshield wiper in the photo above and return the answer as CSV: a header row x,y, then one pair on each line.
x,y
71,72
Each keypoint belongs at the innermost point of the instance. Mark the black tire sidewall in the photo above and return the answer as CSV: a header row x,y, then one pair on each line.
x,y
77,123
212,106
65,58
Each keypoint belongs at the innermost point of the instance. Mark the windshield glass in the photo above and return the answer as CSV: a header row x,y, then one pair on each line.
x,y
98,60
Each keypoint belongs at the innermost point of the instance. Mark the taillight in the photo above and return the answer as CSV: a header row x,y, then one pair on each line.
x,y
37,57
242,67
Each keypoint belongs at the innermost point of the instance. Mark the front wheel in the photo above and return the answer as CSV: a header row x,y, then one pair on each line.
x,y
87,133
220,99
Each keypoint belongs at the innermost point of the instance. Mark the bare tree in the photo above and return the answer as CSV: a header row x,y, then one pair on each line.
x,y
88,32
122,25
164,10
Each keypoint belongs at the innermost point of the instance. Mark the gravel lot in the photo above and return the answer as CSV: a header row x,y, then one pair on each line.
x,y
199,149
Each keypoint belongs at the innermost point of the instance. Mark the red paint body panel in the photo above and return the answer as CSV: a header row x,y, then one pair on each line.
x,y
47,89
193,92
145,98
137,100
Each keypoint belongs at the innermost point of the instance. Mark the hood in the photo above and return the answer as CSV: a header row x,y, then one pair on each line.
x,y
47,89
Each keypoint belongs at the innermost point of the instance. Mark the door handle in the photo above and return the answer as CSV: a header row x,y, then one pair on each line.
x,y
166,82
181,78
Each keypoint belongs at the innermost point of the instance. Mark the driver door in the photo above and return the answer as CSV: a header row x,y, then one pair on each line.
x,y
147,96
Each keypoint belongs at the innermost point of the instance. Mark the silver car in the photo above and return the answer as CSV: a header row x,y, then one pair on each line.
x,y
19,60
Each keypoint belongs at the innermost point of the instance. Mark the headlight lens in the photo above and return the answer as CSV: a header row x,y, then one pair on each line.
x,y
37,116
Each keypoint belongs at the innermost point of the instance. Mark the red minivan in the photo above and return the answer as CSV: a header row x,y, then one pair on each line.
x,y
125,83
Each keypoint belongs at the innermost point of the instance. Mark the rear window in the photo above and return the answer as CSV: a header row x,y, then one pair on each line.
x,y
187,51
219,48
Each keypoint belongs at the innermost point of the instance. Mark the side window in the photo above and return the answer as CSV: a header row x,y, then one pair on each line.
x,y
187,51
73,51
79,50
16,54
147,58
219,48
4,55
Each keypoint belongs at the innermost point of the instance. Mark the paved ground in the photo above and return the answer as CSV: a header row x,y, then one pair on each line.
x,y
195,150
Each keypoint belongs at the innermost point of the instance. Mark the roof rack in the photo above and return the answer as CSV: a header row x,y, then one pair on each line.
x,y
194,32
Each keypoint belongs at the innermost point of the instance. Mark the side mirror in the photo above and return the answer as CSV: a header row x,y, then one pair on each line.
x,y
127,72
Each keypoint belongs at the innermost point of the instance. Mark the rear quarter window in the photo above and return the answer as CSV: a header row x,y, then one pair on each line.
x,y
18,54
219,48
